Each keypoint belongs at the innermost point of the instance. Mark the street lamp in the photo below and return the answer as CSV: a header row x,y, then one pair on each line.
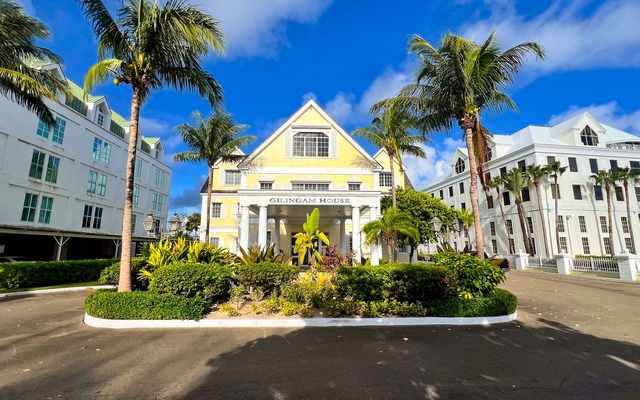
x,y
175,223
149,225
435,224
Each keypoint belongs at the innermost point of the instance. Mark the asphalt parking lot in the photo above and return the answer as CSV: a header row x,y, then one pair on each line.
x,y
575,338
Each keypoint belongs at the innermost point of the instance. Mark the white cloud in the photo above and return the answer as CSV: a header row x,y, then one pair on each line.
x,y
154,127
309,96
258,27
573,38
189,200
341,107
423,171
607,113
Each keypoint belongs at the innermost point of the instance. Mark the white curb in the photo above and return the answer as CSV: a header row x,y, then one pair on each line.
x,y
59,290
293,322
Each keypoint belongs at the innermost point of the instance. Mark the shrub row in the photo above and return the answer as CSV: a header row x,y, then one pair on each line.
x,y
41,273
143,305
266,276
473,276
111,274
209,282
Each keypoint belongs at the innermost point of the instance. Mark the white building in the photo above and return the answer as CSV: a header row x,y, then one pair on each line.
x,y
62,188
582,144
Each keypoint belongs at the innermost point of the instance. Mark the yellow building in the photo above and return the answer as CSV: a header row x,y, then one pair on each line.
x,y
308,162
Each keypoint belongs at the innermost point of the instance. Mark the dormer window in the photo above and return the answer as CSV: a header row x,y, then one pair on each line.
x,y
310,144
589,137
100,119
460,166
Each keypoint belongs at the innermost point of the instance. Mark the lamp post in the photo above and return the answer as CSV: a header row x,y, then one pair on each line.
x,y
435,224
175,223
149,225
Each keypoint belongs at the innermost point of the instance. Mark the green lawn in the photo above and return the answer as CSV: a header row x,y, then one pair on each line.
x,y
80,284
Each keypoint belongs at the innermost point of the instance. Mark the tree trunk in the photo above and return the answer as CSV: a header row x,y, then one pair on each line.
x,y
393,191
629,221
124,283
608,190
390,250
523,226
544,224
555,180
209,188
504,218
473,193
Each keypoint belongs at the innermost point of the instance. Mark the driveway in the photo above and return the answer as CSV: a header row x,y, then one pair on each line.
x,y
575,338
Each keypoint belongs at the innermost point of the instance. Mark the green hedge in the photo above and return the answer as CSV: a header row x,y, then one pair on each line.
x,y
499,302
142,305
402,282
209,282
50,273
267,276
111,274
474,276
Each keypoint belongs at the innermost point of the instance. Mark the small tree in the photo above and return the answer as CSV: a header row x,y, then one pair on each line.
x,y
466,216
193,222
515,181
555,171
625,175
607,178
536,172
392,223
495,183
305,239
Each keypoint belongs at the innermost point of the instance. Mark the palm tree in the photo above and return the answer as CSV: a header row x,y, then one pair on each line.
x,y
212,139
536,172
150,47
516,181
21,79
495,183
455,83
392,223
607,178
466,216
625,175
555,170
390,130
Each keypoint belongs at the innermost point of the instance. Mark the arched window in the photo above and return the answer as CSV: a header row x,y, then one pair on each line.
x,y
460,166
310,144
589,137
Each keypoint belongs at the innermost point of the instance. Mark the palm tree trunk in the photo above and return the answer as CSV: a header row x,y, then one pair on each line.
x,y
473,193
629,221
209,186
608,190
523,227
393,181
544,224
504,218
390,250
124,282
557,190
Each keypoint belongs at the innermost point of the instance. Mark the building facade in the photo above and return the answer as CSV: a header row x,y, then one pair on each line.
x,y
308,162
63,187
584,146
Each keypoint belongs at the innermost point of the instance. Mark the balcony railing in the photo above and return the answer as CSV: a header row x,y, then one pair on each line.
x,y
624,146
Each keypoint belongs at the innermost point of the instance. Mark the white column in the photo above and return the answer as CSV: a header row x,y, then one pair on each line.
x,y
375,259
262,227
244,228
564,263
355,233
628,266
522,260
568,222
343,236
275,235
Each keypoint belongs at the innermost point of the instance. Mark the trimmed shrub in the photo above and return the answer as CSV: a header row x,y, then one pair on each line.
x,y
111,274
209,282
142,305
475,276
403,282
499,302
267,276
50,273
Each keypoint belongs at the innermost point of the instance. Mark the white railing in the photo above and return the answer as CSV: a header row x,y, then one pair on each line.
x,y
624,146
599,264
539,262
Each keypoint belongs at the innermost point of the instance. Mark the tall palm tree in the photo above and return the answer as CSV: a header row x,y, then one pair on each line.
x,y
390,130
607,178
392,223
495,183
455,83
212,139
516,181
555,171
20,78
625,175
149,47
536,172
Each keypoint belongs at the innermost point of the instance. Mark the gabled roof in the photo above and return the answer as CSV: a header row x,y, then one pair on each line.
x,y
616,135
152,140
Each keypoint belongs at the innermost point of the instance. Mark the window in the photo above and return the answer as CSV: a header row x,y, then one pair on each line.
x,y
577,193
494,246
526,196
310,186
532,244
604,227
402,248
138,169
593,164
463,206
614,165
489,154
100,119
309,144
551,160
354,186
268,238
638,194
460,166
97,218
266,185
506,198
627,243
634,164
136,195
29,207
86,217
133,223
441,194
589,138
573,164
450,191
492,227
160,175
156,202
503,171
522,164
58,131
510,227
607,245
597,192
106,153
43,129
583,223
560,223
625,224
45,210
157,154
563,244
102,185
585,246
489,201
619,194
461,187
52,169
93,179
512,246
385,179
530,224
37,164
214,241
232,178
554,192
97,148
216,210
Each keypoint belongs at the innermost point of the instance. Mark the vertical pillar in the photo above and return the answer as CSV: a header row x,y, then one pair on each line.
x,y
570,237
275,235
564,263
244,227
628,266
262,227
355,233
343,236
522,260
373,215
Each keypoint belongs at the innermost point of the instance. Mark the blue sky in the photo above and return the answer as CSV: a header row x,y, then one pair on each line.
x,y
347,54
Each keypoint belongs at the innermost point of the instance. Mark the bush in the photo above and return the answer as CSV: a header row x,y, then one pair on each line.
x,y
403,282
142,305
499,302
111,274
269,277
423,257
209,282
50,273
475,277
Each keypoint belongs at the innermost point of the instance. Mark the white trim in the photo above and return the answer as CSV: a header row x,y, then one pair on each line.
x,y
293,322
59,290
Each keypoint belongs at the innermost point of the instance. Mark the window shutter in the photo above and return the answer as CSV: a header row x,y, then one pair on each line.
x,y
333,144
223,211
287,143
220,177
364,187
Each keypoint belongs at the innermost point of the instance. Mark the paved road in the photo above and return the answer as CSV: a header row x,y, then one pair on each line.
x,y
575,338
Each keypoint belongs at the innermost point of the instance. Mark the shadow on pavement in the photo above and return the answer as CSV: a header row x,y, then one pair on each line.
x,y
14,297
